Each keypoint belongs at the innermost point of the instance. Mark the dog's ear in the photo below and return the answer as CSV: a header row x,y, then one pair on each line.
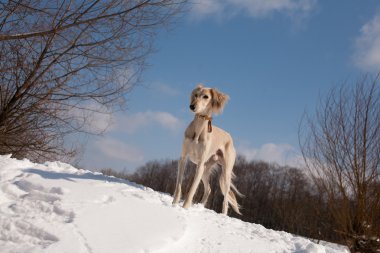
x,y
218,100
199,86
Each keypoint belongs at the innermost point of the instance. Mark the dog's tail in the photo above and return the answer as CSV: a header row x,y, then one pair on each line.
x,y
241,195
232,199
233,202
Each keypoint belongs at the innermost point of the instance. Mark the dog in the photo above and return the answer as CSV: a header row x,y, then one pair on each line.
x,y
206,146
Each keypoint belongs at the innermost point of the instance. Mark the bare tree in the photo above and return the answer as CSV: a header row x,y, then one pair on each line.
x,y
341,147
58,58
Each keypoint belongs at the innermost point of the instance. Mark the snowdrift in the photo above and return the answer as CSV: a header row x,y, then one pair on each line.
x,y
54,207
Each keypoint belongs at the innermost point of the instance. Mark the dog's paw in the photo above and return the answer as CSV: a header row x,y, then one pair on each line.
x,y
186,205
175,201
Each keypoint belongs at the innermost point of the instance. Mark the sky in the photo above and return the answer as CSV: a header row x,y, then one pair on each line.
x,y
274,58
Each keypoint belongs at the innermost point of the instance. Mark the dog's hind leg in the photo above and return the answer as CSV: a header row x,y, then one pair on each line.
x,y
207,188
225,180
178,186
225,185
206,180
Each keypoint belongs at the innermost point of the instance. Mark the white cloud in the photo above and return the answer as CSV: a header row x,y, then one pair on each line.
x,y
131,123
116,149
282,154
367,46
252,8
110,151
166,89
94,117
207,7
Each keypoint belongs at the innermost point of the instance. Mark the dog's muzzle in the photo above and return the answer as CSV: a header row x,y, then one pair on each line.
x,y
192,107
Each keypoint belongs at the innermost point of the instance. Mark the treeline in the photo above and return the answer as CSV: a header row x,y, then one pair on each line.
x,y
277,197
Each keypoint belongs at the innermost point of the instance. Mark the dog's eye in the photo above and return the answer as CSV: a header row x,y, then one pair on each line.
x,y
196,95
205,97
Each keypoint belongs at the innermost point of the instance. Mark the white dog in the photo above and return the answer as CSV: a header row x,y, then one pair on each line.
x,y
207,145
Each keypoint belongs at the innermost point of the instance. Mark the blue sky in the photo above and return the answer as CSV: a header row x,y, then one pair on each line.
x,y
274,58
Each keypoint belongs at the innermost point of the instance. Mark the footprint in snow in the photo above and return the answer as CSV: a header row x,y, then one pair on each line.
x,y
105,199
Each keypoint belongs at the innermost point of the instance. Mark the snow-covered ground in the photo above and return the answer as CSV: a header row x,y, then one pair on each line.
x,y
54,207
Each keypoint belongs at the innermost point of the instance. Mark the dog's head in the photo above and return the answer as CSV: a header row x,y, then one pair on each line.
x,y
205,100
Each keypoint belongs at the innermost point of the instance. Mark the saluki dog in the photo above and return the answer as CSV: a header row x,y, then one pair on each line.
x,y
207,145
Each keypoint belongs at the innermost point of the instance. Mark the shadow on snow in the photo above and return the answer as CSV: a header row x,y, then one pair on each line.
x,y
85,176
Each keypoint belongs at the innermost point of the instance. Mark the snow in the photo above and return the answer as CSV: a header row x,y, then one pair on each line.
x,y
54,207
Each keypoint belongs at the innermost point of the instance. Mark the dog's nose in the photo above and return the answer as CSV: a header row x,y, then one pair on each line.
x,y
192,107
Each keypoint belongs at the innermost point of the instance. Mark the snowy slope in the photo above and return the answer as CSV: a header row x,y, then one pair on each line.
x,y
54,207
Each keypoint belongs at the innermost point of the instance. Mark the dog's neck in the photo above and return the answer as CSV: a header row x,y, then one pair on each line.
x,y
200,126
201,119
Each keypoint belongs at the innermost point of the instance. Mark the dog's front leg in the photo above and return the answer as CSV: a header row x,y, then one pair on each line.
x,y
194,186
178,186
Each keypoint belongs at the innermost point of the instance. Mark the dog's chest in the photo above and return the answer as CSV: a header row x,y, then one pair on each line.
x,y
196,151
195,137
196,132
196,145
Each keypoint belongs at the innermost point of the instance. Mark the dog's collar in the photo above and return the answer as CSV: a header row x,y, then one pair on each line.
x,y
206,117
